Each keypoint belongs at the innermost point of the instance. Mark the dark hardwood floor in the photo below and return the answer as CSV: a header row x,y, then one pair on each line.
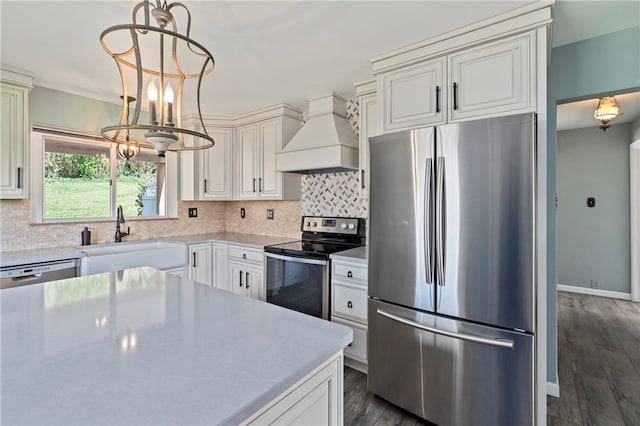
x,y
598,362
363,408
599,369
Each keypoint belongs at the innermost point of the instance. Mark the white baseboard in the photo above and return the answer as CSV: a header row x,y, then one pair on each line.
x,y
553,389
594,292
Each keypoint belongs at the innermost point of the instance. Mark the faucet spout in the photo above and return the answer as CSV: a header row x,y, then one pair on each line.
x,y
119,220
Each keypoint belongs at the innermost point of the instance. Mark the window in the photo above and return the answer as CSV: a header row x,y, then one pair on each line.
x,y
81,177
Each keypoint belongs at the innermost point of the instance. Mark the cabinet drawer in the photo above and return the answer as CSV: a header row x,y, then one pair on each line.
x,y
244,254
350,302
346,271
357,349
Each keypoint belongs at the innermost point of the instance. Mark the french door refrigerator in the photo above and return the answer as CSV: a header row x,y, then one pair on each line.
x,y
452,271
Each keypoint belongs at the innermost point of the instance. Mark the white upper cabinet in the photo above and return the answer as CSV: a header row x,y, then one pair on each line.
x,y
492,80
412,96
257,147
216,166
14,134
486,81
487,69
255,151
368,126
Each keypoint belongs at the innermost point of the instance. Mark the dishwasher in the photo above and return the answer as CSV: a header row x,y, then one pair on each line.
x,y
32,273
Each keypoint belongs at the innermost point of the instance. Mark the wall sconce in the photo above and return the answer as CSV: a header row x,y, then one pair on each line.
x,y
607,110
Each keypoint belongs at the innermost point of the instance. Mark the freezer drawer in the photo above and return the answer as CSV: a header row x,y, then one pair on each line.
x,y
462,374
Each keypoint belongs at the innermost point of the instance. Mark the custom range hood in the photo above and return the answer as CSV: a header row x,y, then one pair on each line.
x,y
324,144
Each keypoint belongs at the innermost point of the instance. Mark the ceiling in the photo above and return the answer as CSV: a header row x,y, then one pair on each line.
x,y
266,52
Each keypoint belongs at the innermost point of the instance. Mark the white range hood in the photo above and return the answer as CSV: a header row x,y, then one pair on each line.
x,y
326,143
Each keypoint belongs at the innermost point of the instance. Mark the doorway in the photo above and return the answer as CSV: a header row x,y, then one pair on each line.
x,y
596,189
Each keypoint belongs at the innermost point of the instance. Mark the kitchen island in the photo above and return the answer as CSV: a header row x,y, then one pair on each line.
x,y
140,346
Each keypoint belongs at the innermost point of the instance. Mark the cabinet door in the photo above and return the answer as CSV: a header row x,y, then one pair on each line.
x,y
270,181
412,96
13,145
237,277
254,282
200,263
247,145
368,127
491,80
216,166
220,266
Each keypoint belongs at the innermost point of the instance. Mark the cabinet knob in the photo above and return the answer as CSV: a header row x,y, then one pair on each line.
x,y
349,304
350,274
244,255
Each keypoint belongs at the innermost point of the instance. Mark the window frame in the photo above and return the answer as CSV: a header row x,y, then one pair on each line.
x,y
40,134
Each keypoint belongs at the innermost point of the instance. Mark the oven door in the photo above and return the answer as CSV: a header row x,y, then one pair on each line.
x,y
298,283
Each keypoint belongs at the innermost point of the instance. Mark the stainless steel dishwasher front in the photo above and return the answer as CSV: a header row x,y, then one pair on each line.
x,y
32,273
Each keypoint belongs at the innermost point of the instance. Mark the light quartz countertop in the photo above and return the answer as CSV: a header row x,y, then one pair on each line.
x,y
22,257
15,258
140,346
247,240
356,255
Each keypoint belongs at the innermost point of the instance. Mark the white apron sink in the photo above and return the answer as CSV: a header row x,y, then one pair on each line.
x,y
159,254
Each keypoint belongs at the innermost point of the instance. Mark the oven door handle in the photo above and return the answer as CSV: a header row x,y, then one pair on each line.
x,y
296,259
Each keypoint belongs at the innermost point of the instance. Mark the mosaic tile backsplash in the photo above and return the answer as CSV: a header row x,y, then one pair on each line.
x,y
332,194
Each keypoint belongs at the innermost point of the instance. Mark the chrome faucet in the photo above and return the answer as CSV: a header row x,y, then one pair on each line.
x,y
119,220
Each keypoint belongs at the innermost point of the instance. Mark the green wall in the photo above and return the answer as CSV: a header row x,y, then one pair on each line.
x,y
67,111
593,242
585,69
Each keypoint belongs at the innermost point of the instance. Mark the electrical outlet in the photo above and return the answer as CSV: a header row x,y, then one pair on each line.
x,y
242,213
595,284
270,214
193,212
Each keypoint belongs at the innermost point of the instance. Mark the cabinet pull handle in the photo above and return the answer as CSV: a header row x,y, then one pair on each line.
x,y
438,99
362,178
349,345
349,304
194,259
246,280
240,278
19,183
260,185
205,186
254,184
455,96
349,274
244,255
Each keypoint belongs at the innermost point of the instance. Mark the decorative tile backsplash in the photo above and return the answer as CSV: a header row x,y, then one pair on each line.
x,y
332,194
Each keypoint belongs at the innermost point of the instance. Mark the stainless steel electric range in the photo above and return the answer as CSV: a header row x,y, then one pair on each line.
x,y
298,273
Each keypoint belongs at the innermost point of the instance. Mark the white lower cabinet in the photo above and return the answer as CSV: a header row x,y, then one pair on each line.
x,y
349,298
208,264
201,263
246,271
315,400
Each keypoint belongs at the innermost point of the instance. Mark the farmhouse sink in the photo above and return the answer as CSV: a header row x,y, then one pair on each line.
x,y
159,254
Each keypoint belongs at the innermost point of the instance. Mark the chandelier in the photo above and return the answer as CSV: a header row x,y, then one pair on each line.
x,y
158,58
607,110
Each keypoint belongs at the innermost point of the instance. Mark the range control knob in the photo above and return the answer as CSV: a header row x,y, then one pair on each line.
x,y
313,224
351,226
343,226
307,224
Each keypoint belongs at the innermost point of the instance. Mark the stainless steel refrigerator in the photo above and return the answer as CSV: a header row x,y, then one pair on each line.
x,y
452,271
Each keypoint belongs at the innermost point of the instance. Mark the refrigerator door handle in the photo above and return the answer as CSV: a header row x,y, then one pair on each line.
x,y
428,257
502,343
440,225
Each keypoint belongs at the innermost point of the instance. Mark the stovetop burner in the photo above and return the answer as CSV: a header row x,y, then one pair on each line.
x,y
323,236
